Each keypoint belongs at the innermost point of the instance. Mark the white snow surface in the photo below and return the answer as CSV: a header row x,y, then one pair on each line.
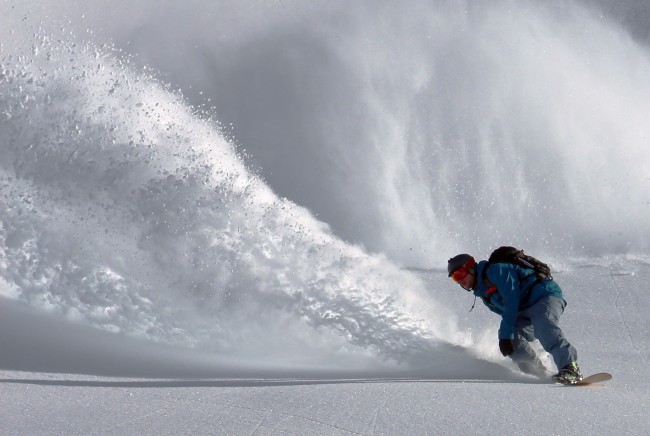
x,y
194,393
222,217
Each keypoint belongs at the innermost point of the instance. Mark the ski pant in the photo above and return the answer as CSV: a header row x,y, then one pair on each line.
x,y
540,321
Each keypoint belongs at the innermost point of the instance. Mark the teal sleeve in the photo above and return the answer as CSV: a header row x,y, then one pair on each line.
x,y
505,278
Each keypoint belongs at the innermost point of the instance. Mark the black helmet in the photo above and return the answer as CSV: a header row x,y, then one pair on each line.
x,y
458,261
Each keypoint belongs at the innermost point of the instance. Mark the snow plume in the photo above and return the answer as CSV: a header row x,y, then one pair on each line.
x,y
125,209
417,132
430,128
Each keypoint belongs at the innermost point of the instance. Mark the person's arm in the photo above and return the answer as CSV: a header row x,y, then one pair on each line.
x,y
505,278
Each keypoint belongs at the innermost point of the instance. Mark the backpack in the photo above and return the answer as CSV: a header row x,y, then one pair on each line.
x,y
515,256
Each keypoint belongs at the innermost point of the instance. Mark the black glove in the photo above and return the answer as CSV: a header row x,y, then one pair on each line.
x,y
506,346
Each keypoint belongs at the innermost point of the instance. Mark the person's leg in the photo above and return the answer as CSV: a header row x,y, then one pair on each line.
x,y
524,356
545,317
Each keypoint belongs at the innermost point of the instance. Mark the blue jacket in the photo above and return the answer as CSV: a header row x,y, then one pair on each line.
x,y
516,290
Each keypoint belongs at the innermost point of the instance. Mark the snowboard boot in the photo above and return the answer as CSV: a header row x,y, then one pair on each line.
x,y
569,375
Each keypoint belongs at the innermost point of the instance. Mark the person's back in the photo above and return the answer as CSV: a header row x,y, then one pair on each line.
x,y
505,277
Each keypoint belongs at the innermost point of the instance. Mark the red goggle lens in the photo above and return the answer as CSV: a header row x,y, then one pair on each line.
x,y
459,274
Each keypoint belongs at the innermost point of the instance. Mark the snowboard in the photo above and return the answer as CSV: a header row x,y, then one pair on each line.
x,y
593,378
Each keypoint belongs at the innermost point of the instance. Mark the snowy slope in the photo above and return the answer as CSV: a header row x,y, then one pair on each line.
x,y
234,217
606,319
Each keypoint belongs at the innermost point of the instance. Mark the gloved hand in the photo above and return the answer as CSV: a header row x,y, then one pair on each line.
x,y
506,346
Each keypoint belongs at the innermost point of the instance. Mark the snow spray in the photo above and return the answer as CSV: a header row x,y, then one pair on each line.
x,y
380,137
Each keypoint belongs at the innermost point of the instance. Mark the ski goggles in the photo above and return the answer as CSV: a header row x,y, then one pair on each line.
x,y
460,274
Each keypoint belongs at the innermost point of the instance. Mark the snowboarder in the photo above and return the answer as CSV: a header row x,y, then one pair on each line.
x,y
530,309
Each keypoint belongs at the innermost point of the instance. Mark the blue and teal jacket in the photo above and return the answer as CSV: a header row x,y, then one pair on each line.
x,y
511,289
